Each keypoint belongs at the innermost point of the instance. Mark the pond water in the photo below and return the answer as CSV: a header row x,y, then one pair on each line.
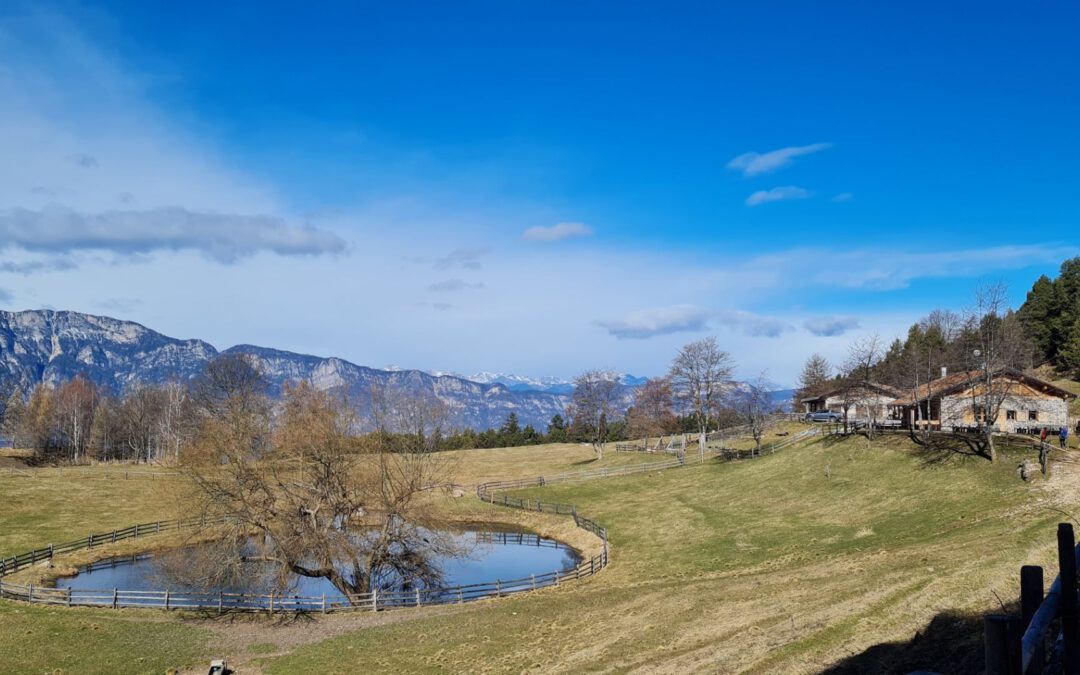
x,y
482,556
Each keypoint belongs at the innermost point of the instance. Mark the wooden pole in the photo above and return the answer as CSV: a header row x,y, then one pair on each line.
x,y
1031,597
1067,565
1001,644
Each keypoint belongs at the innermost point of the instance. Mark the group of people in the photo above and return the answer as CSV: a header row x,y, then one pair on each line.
x,y
1063,434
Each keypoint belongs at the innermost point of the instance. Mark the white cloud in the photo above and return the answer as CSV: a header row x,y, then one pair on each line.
x,y
647,323
754,163
843,197
754,325
777,194
556,232
453,286
830,326
221,236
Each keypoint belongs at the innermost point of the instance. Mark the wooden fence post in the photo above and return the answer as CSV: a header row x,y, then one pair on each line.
x,y
166,599
1001,644
324,603
1031,596
114,599
1067,565
220,602
375,599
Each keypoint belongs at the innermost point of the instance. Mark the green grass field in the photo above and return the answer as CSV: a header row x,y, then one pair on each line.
x,y
831,554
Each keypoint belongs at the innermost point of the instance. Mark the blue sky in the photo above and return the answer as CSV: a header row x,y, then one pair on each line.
x,y
534,187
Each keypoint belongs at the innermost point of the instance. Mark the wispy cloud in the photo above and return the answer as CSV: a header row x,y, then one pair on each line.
x,y
755,163
777,194
465,258
453,286
223,237
752,324
83,161
556,232
830,326
843,197
52,264
647,323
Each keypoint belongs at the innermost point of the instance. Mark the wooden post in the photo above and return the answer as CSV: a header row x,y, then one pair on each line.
x,y
220,602
375,599
30,594
1031,597
1001,644
166,599
136,530
460,598
271,603
114,599
1031,592
1067,565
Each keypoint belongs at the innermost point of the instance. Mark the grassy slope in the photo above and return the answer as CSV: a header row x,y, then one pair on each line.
x,y
763,565
766,566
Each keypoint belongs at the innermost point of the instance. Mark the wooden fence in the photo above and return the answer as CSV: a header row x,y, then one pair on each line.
x,y
1024,645
279,602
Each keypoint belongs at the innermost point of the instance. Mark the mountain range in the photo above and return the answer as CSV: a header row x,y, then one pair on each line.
x,y
54,346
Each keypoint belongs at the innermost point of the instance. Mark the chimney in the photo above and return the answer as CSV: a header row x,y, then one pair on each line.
x,y
944,371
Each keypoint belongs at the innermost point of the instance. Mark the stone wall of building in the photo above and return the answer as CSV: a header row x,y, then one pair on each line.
x,y
958,411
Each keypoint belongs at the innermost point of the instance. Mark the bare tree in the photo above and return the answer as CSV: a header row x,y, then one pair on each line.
x,y
76,401
699,375
653,412
863,354
321,503
593,404
755,404
994,341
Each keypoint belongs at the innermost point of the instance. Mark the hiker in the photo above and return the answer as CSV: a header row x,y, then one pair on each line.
x,y
1064,435
1042,436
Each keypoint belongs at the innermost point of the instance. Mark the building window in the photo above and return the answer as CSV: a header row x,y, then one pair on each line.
x,y
1010,414
1033,416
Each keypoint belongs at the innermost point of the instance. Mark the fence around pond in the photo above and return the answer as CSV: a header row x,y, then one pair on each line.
x,y
272,602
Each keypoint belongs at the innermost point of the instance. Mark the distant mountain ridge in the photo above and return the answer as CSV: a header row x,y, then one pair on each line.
x,y
54,346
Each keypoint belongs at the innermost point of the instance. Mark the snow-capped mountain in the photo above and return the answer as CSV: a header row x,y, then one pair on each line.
x,y
55,346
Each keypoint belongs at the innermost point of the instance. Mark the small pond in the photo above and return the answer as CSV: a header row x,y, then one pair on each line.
x,y
482,556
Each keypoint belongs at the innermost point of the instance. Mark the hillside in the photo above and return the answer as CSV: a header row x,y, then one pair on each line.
x,y
830,556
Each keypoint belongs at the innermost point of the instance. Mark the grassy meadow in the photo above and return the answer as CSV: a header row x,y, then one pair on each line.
x,y
832,554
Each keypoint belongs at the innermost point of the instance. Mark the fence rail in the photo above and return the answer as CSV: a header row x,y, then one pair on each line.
x,y
221,601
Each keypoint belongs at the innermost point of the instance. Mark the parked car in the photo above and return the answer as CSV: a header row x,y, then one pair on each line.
x,y
823,416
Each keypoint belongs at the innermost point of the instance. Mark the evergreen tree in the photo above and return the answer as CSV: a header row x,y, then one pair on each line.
x,y
1070,351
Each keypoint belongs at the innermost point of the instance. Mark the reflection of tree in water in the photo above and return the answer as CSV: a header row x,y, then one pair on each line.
x,y
303,495
404,558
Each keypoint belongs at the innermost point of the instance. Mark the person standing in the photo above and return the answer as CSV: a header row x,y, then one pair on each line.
x,y
1042,435
1063,435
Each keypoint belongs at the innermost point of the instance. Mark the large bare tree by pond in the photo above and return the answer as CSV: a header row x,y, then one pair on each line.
x,y
305,496
700,375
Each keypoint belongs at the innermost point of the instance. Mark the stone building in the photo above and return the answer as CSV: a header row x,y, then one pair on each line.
x,y
856,401
1025,404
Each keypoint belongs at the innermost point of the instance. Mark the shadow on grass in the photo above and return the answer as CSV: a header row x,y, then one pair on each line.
x,y
951,643
585,461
